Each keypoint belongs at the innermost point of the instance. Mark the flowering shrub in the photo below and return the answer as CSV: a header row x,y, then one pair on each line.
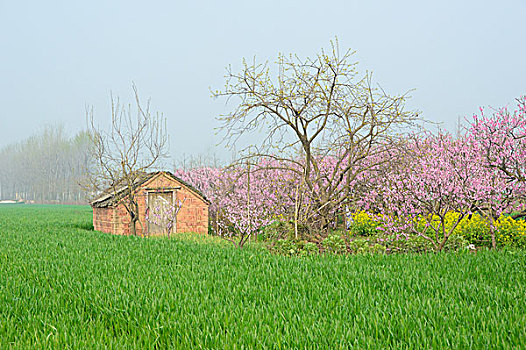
x,y
363,224
473,229
471,232
511,233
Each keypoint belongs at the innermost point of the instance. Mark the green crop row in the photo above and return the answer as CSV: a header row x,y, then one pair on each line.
x,y
64,285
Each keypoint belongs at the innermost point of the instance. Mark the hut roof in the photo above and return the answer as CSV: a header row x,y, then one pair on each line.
x,y
113,194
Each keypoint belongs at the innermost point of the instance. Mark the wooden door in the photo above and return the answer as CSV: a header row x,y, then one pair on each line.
x,y
160,205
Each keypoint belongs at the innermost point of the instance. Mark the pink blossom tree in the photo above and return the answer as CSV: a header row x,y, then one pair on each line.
x,y
500,142
437,176
244,199
502,137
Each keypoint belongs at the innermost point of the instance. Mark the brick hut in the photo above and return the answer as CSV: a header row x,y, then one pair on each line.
x,y
159,189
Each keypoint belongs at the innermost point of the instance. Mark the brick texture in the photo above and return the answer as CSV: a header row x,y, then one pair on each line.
x,y
193,216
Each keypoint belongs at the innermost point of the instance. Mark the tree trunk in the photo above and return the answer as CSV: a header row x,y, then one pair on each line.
x,y
133,226
442,244
492,233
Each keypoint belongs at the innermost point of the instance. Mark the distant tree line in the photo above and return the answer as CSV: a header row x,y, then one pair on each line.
x,y
46,167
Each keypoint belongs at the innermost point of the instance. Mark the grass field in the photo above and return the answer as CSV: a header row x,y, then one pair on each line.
x,y
64,285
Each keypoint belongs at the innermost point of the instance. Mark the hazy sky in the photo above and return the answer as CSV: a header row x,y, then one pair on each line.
x,y
56,57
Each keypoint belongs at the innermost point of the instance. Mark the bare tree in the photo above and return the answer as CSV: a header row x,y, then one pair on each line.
x,y
134,144
315,111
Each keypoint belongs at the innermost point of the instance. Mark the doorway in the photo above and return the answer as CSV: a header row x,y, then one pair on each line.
x,y
160,208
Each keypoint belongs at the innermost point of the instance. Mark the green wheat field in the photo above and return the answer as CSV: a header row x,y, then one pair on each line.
x,y
63,285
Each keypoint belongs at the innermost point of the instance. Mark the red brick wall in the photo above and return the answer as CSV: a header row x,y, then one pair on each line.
x,y
121,225
193,216
103,219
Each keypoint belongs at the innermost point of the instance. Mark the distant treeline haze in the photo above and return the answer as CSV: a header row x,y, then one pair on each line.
x,y
45,168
